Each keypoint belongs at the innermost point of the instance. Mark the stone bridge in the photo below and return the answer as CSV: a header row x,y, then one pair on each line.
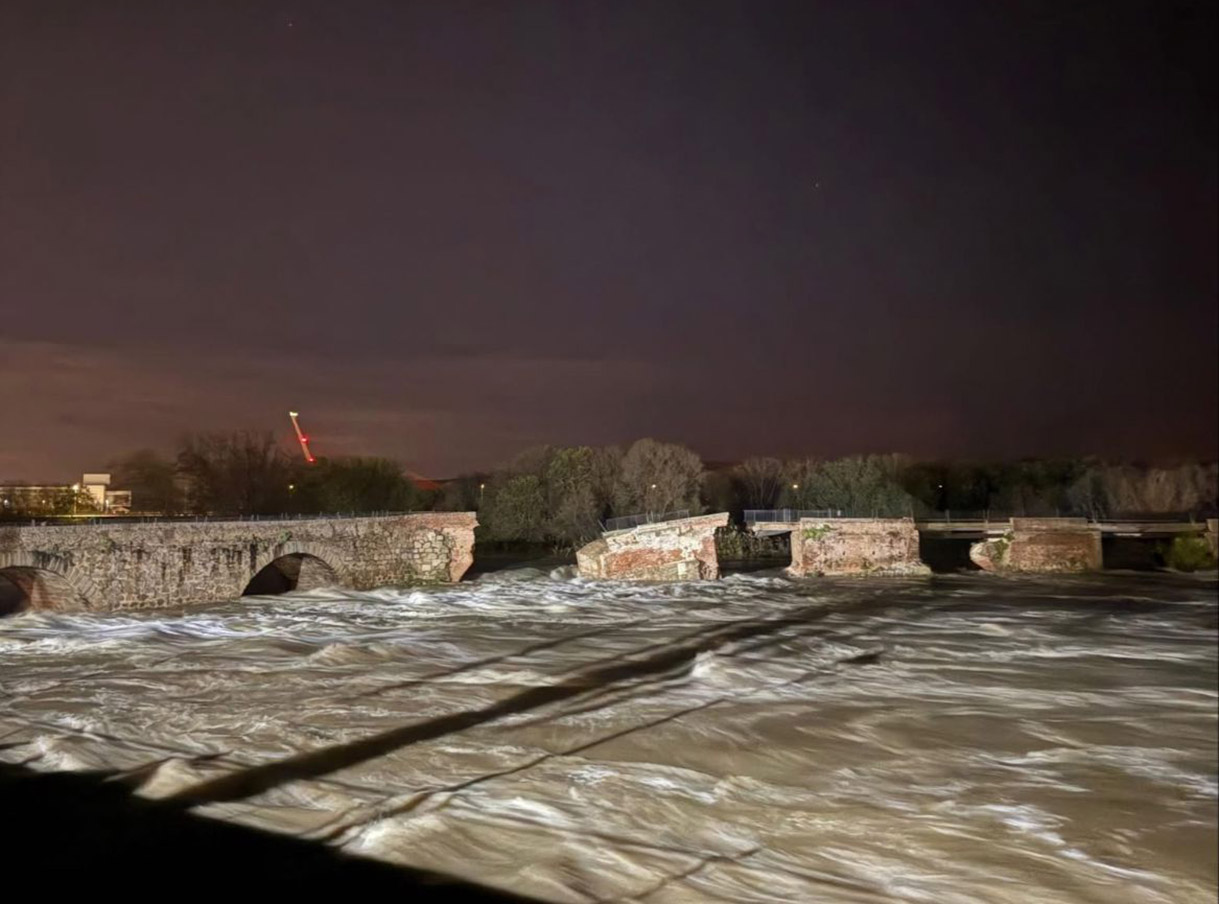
x,y
113,565
832,545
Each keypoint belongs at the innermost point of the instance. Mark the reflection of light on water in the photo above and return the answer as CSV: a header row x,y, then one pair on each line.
x,y
1010,741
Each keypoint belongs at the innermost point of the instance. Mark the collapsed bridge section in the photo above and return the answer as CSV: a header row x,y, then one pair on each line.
x,y
680,549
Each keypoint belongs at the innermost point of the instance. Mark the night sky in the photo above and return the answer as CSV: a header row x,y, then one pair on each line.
x,y
446,231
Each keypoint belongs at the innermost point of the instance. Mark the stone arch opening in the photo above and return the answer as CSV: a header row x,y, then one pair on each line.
x,y
291,571
26,587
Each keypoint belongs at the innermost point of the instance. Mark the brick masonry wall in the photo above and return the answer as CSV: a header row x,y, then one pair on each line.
x,y
856,546
668,551
1042,546
153,565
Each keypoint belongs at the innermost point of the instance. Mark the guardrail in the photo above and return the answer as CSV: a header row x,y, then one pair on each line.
x,y
973,516
1092,517
985,515
767,516
626,522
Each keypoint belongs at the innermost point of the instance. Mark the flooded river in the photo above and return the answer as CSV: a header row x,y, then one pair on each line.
x,y
960,739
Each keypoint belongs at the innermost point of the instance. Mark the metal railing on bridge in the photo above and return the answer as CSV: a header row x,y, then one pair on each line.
x,y
626,522
945,516
973,516
992,515
770,516
950,516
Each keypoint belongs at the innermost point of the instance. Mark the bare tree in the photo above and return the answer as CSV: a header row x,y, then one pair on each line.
x,y
659,477
239,473
1185,488
1087,496
763,481
152,480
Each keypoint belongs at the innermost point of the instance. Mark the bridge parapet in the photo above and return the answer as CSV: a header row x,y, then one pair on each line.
x,y
153,565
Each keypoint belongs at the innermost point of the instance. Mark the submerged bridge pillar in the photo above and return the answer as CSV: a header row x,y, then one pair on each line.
x,y
1042,546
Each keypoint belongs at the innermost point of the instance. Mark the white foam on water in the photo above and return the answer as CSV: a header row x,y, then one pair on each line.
x,y
1009,741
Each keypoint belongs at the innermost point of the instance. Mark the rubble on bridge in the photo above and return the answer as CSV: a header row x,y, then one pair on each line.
x,y
678,550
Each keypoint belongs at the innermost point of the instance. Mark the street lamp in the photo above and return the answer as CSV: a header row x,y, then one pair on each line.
x,y
75,490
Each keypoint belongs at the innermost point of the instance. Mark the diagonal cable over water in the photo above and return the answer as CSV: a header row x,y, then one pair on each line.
x,y
312,764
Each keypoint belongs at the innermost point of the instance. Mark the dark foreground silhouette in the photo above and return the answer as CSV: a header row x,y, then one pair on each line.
x,y
77,831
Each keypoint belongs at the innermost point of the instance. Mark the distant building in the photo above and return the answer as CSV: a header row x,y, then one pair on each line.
x,y
107,500
96,485
118,502
91,496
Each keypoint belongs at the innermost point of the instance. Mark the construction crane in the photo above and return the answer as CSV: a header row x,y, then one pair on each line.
x,y
301,438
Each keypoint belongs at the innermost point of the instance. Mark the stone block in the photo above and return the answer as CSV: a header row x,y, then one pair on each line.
x,y
1042,546
682,550
856,546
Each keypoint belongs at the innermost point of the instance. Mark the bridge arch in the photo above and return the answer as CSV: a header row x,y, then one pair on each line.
x,y
295,565
40,580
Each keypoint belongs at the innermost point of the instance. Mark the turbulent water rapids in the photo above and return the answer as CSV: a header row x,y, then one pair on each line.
x,y
960,739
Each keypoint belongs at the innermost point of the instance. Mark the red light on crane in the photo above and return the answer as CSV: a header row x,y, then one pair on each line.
x,y
301,438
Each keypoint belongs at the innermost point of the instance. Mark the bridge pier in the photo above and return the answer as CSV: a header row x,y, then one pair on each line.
x,y
856,546
1042,546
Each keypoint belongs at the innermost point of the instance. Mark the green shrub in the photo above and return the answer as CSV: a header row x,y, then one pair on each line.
x,y
816,533
1189,553
734,542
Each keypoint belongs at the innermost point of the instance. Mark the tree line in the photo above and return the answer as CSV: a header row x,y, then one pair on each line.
x,y
562,495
